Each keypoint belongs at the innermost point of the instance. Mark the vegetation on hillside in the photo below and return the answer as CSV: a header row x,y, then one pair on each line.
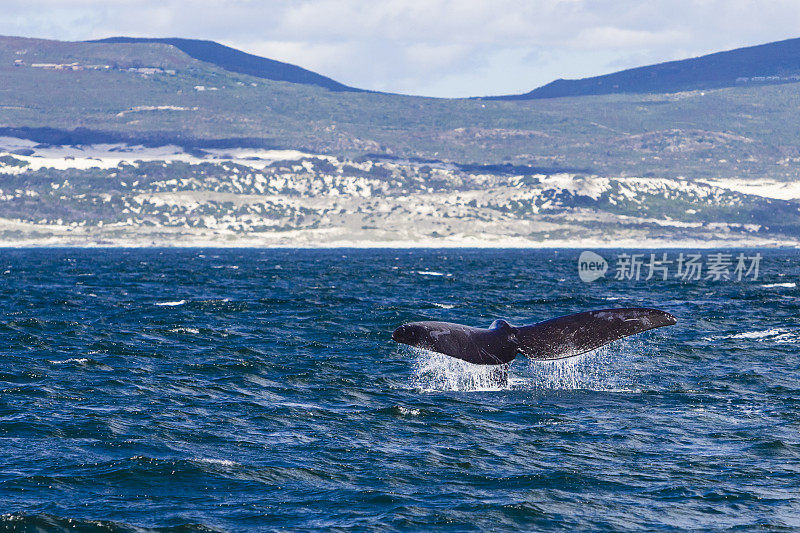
x,y
154,93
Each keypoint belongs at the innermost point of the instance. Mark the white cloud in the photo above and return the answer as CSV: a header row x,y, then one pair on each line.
x,y
437,47
431,58
319,57
626,39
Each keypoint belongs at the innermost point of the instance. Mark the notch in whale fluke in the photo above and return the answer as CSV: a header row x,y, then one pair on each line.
x,y
557,338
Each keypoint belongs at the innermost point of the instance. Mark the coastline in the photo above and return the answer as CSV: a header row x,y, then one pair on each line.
x,y
637,244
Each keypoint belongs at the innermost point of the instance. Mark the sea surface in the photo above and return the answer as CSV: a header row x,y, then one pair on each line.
x,y
240,390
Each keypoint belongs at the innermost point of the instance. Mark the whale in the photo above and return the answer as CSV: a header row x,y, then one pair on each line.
x,y
557,338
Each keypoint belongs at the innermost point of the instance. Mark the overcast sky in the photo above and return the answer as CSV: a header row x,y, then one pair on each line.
x,y
430,47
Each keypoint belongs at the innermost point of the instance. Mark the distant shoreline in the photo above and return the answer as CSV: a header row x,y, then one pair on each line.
x,y
119,196
404,245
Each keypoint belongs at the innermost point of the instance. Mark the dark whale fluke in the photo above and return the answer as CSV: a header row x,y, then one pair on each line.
x,y
558,338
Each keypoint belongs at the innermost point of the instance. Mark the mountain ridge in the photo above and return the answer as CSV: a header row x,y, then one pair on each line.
x,y
155,94
234,60
141,144
771,63
774,62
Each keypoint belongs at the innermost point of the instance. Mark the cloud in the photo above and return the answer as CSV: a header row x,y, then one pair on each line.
x,y
432,58
319,57
435,47
626,39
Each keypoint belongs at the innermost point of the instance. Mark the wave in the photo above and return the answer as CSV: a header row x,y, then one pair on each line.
x,y
50,522
78,360
758,334
193,331
788,285
775,335
400,410
220,462
171,304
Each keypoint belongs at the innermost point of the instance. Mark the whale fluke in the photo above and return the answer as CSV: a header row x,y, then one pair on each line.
x,y
557,338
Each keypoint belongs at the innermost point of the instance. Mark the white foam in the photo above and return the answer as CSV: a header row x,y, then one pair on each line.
x,y
773,335
431,273
759,334
193,331
789,285
444,306
79,360
171,304
222,462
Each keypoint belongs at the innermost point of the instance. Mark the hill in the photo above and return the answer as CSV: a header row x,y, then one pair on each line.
x,y
240,62
142,143
153,93
771,63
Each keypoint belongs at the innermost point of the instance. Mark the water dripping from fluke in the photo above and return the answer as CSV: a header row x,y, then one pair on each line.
x,y
605,369
437,372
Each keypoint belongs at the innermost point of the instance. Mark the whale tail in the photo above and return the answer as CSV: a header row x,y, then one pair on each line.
x,y
558,338
572,335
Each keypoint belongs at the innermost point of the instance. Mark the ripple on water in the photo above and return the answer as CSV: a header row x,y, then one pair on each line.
x,y
272,397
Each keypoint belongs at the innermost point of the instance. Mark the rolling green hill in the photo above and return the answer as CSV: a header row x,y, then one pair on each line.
x,y
701,166
155,93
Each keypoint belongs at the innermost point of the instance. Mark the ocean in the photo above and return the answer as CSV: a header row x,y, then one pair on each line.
x,y
240,390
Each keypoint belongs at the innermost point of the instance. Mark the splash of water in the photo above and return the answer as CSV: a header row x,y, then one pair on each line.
x,y
434,371
606,369
587,371
609,368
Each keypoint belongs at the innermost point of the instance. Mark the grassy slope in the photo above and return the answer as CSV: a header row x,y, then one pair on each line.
x,y
728,132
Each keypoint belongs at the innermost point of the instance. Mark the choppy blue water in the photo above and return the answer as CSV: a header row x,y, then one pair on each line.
x,y
260,389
